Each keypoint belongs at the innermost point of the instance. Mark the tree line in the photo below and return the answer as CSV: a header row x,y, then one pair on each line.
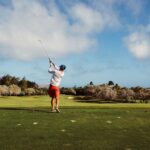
x,y
11,85
109,92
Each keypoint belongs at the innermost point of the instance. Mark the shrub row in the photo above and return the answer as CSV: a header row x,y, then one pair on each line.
x,y
110,92
15,90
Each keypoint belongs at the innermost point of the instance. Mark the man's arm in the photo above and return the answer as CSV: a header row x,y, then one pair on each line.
x,y
55,66
50,70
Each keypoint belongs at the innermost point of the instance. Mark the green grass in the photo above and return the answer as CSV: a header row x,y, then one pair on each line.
x,y
79,126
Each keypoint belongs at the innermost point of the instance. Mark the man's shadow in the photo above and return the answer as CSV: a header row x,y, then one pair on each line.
x,y
27,109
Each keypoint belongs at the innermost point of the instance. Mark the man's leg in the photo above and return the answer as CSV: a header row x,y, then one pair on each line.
x,y
57,104
52,104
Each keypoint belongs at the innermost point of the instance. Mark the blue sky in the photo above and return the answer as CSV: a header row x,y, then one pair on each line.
x,y
98,40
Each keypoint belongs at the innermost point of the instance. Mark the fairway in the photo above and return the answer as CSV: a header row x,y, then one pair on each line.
x,y
27,124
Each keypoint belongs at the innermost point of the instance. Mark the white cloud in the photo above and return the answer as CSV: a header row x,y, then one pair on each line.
x,y
28,21
138,42
92,20
135,6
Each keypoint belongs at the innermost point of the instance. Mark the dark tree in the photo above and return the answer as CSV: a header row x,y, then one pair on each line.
x,y
91,83
6,80
110,83
32,85
23,84
15,80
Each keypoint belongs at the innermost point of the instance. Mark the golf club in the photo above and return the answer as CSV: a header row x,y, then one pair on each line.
x,y
45,51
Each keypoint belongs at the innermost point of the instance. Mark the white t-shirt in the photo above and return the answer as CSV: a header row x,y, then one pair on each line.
x,y
56,75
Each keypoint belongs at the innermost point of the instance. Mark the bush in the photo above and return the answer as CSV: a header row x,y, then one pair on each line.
x,y
22,93
79,91
116,87
4,90
68,91
143,95
106,93
90,90
41,91
30,91
14,90
126,94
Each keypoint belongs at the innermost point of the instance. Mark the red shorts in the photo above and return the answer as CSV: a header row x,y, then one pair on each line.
x,y
53,91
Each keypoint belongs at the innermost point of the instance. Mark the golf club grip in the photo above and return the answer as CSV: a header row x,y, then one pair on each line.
x,y
51,62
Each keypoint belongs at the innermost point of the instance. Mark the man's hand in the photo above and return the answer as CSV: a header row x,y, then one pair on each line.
x,y
50,61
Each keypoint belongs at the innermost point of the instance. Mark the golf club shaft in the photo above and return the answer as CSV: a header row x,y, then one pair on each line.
x,y
50,61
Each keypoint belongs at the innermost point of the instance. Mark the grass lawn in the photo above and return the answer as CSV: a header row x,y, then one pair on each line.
x,y
27,124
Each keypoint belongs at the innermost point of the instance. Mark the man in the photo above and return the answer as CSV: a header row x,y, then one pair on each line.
x,y
54,91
